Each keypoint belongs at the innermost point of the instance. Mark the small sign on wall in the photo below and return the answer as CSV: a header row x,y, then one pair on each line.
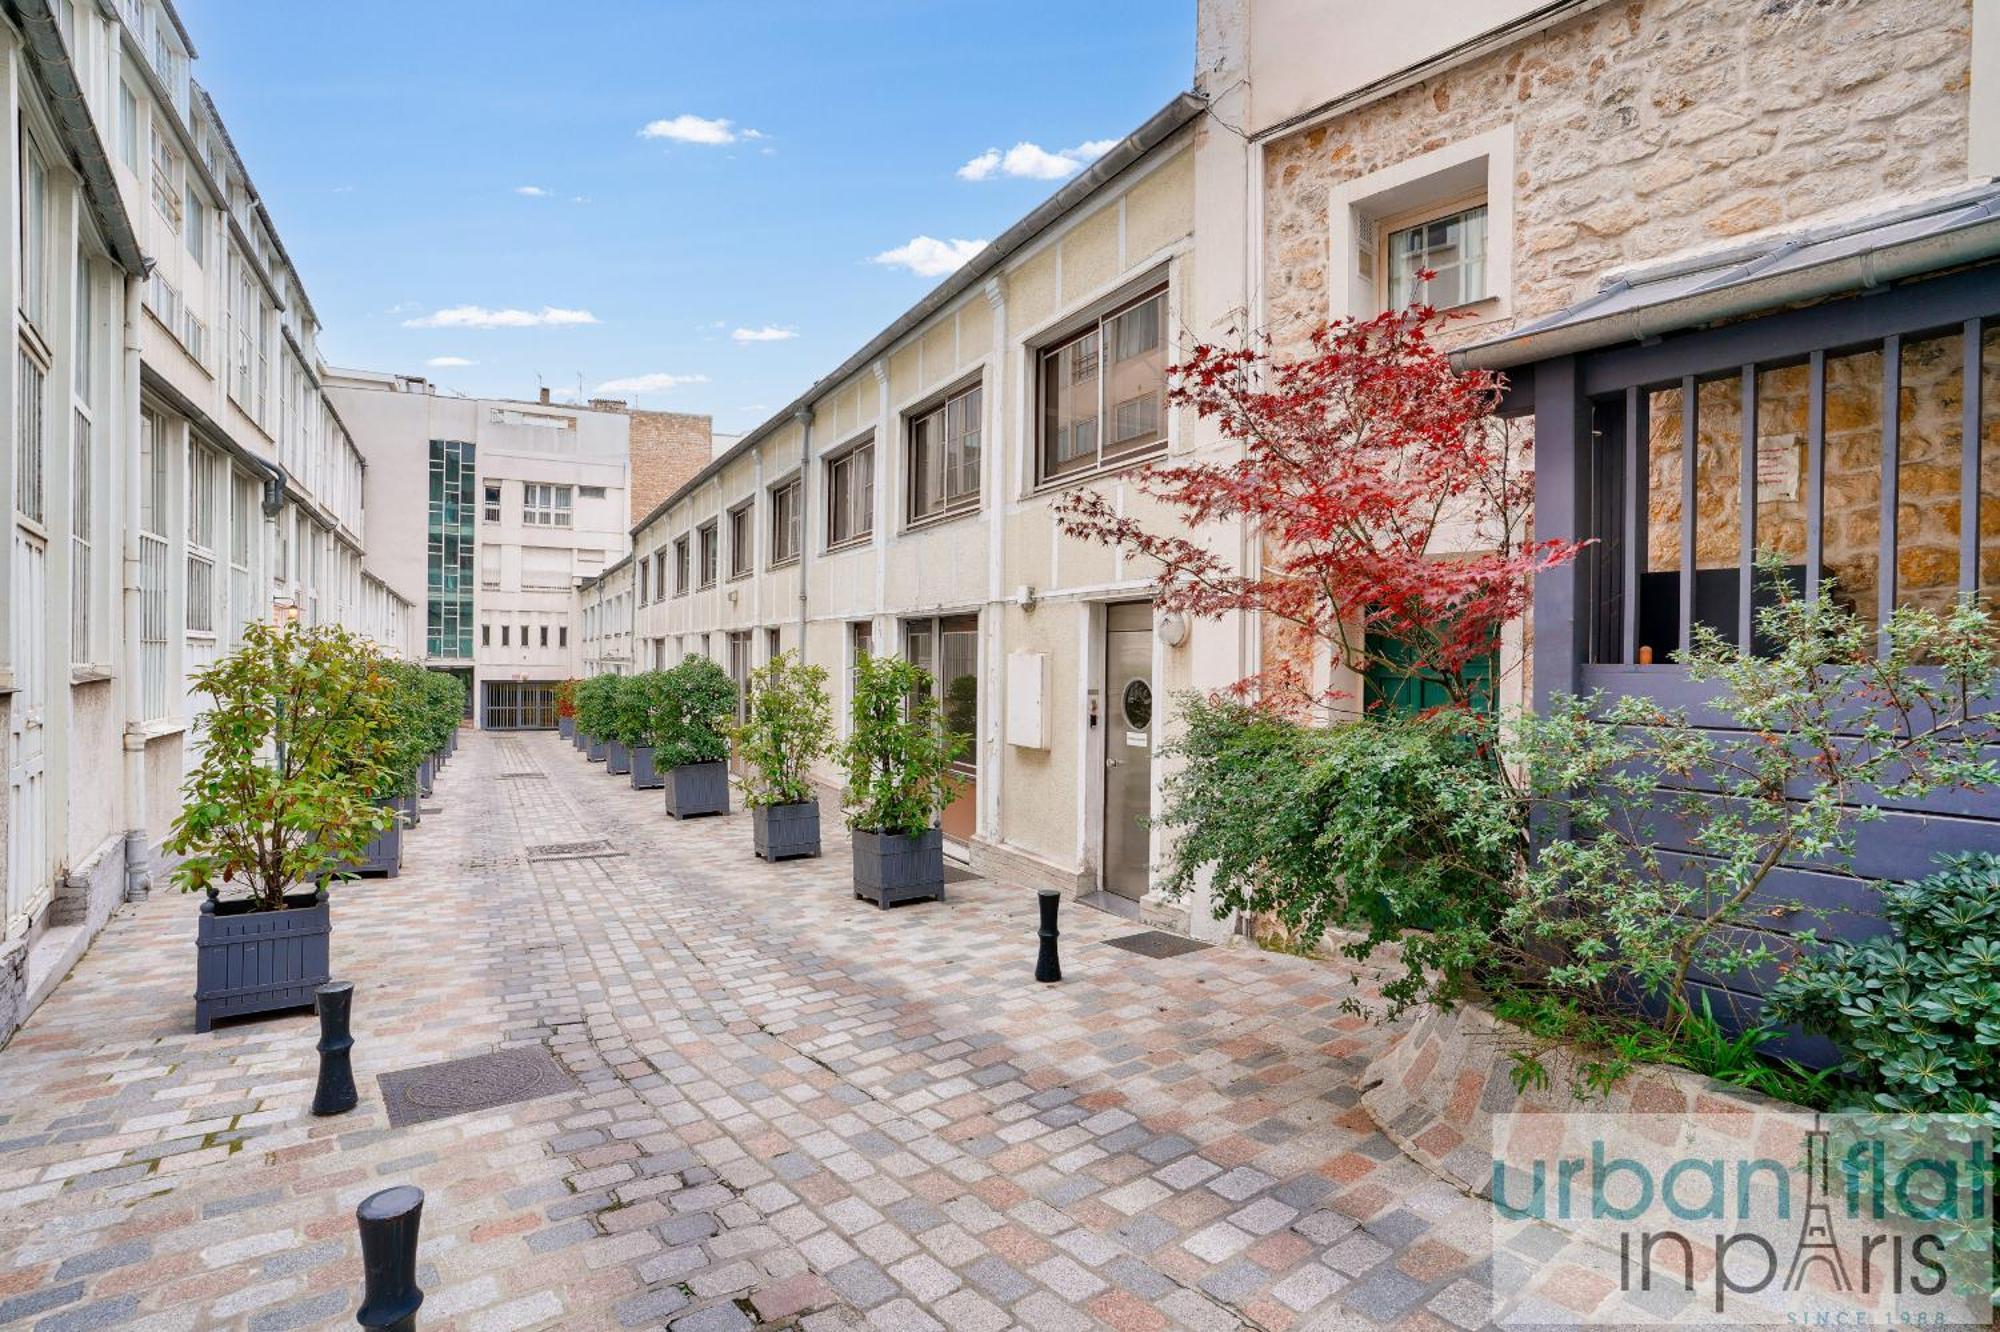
x,y
1778,467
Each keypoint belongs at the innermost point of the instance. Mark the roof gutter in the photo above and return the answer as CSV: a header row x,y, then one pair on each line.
x,y
50,59
1977,240
1163,124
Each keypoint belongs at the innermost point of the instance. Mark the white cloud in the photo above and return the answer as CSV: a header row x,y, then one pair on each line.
x,y
656,383
697,129
1031,161
478,316
768,333
927,256
531,191
448,362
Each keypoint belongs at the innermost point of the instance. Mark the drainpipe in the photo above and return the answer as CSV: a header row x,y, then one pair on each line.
x,y
138,874
804,416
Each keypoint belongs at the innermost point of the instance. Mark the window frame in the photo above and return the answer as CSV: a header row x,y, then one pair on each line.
x,y
743,538
683,564
492,500
1395,224
839,467
792,488
708,554
1097,323
559,511
939,406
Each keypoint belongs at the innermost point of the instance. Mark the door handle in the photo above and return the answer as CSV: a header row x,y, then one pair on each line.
x,y
1112,763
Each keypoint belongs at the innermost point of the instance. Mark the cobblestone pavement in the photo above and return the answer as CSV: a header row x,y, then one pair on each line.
x,y
791,1108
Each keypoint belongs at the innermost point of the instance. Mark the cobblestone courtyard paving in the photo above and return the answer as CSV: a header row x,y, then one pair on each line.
x,y
791,1108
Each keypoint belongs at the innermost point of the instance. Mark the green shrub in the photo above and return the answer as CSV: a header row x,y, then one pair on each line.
x,y
1916,1012
594,698
690,720
299,743
444,708
634,699
898,754
790,727
1391,826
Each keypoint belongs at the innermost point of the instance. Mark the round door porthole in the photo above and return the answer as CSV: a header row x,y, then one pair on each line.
x,y
1138,705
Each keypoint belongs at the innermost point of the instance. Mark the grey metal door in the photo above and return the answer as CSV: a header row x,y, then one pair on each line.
x,y
1128,746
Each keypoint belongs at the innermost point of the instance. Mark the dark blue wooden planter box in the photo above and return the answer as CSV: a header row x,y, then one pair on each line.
x,y
697,788
260,961
577,737
410,809
645,777
781,832
384,855
617,758
566,728
896,867
425,776
594,749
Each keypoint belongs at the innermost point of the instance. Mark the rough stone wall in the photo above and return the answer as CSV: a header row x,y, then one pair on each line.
x,y
1647,128
1927,473
667,449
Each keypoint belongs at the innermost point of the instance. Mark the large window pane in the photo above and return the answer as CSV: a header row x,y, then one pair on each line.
x,y
1069,406
1928,451
1138,376
1852,532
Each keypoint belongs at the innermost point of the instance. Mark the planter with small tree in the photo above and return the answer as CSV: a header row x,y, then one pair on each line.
x,y
405,701
639,700
283,797
566,709
593,714
898,759
789,728
625,726
690,743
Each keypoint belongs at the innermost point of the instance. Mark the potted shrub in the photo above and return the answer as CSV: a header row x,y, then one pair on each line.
x,y
566,709
443,701
283,796
624,726
690,744
643,696
898,758
593,714
405,702
790,727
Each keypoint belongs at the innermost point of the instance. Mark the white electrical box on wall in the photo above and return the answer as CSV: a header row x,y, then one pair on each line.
x,y
1028,700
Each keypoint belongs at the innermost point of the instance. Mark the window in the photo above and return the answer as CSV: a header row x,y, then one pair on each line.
x,y
491,513
1454,246
204,504
128,126
545,635
659,575
786,519
167,197
773,645
860,645
709,539
489,566
31,442
682,568
742,542
739,670
486,635
850,495
562,635
504,635
449,629
197,223
944,456
34,234
545,505
1114,371
590,492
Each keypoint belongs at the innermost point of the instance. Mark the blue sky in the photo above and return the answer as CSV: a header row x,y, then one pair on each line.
x,y
725,265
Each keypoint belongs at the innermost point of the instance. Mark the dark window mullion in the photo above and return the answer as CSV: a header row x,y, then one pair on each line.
x,y
1690,459
1892,430
1746,573
1815,471
1968,467
1637,490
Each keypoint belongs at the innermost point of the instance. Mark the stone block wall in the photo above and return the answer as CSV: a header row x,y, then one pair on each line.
x,y
667,449
1651,127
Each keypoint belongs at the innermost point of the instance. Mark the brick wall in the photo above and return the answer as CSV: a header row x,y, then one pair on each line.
x,y
1652,127
667,449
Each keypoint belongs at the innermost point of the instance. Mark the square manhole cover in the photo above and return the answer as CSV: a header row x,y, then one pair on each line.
x,y
477,1082
1157,943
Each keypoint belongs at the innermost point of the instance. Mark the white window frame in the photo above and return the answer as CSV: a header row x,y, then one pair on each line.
x,y
1441,181
854,468
546,504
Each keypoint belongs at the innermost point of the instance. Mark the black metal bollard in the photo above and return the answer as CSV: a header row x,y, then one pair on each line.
x,y
1047,966
335,1094
389,1222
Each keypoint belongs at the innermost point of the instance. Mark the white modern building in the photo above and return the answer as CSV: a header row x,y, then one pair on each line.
x,y
487,512
174,473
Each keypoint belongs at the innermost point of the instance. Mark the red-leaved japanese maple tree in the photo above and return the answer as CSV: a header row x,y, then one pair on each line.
x,y
1391,504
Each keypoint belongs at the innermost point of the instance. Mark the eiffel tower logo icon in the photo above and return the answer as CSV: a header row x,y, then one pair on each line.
x,y
1816,1242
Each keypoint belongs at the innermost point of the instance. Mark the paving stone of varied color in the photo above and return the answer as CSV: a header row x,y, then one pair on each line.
x,y
790,1108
